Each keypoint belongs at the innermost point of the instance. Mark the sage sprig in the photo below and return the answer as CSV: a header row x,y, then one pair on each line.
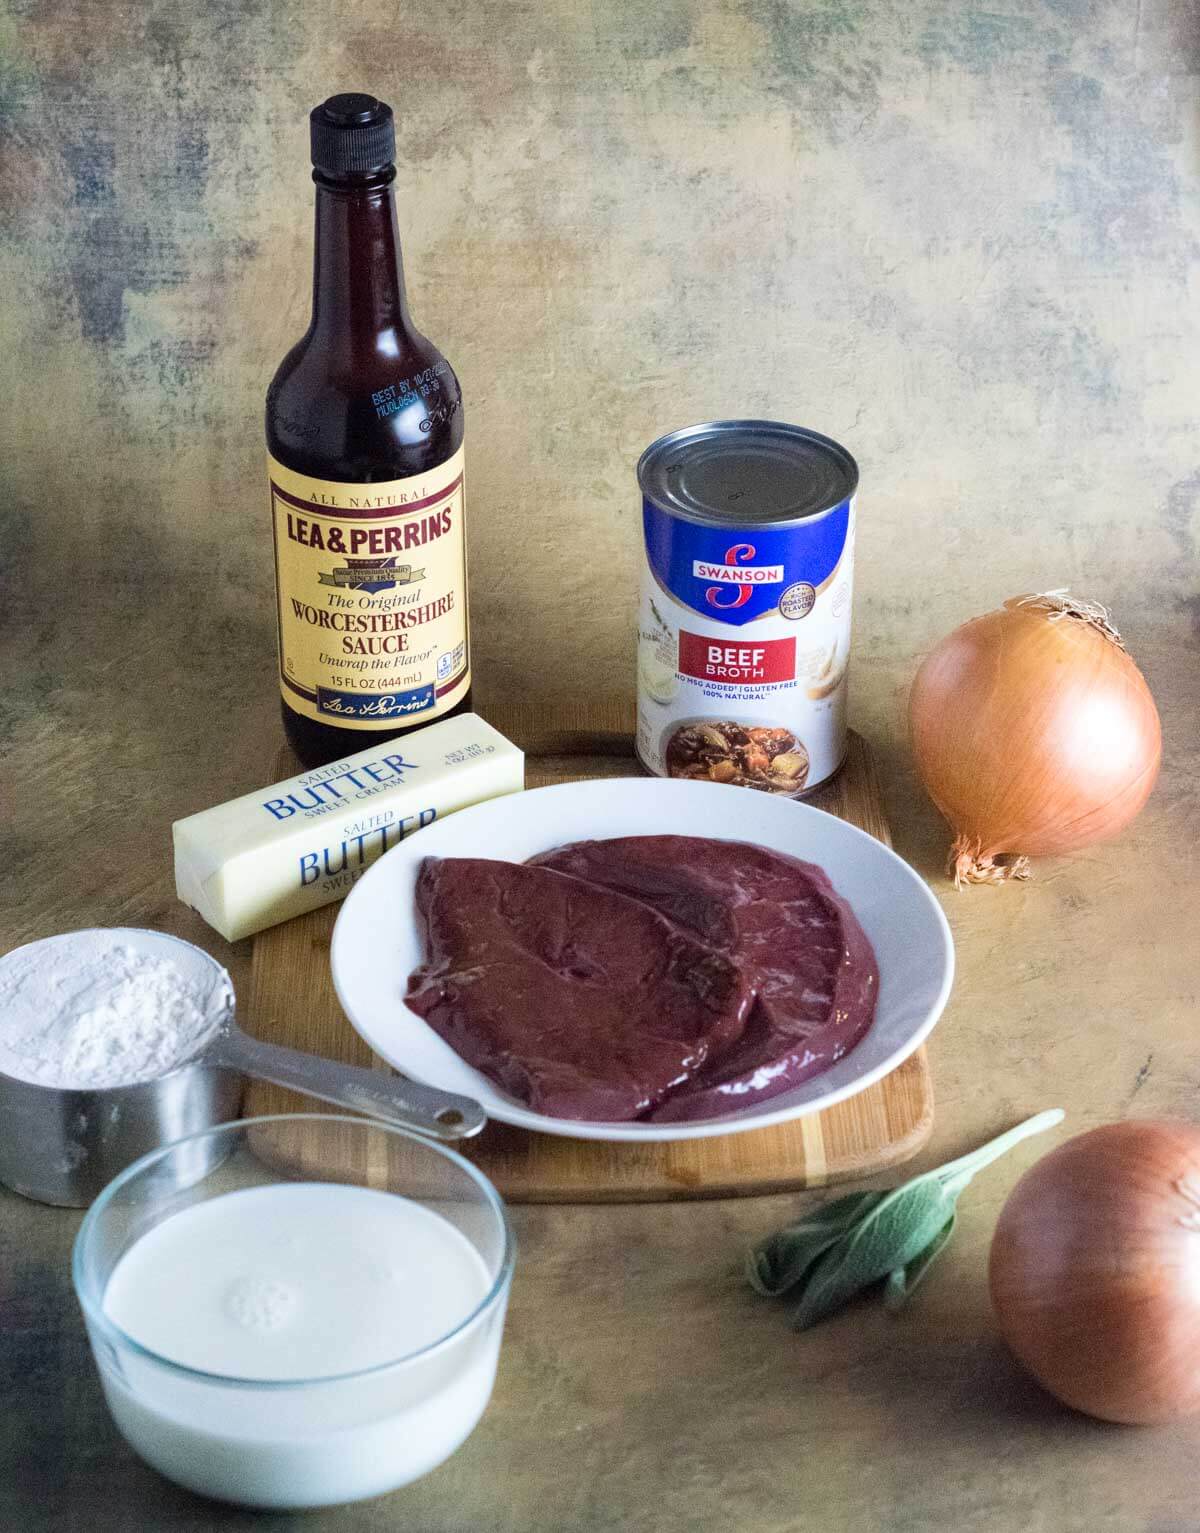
x,y
834,1252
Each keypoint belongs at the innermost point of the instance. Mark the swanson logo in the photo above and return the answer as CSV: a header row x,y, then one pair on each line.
x,y
735,573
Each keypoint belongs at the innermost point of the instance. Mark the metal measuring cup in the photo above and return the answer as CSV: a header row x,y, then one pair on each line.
x,y
62,1145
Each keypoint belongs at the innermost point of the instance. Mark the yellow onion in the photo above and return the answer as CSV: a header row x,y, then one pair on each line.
x,y
1034,733
1095,1271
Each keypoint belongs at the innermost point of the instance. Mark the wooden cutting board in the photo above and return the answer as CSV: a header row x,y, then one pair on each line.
x,y
292,1001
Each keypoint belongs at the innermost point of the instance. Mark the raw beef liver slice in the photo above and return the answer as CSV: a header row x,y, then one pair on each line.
x,y
797,942
575,999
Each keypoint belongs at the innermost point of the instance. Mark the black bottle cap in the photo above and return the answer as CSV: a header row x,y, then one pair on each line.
x,y
352,134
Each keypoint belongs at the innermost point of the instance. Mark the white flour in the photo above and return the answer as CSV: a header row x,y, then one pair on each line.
x,y
106,1008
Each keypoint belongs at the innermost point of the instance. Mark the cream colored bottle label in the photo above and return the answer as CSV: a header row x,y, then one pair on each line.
x,y
372,588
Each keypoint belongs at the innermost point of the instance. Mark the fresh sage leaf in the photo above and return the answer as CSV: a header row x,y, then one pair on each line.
x,y
891,1235
902,1280
837,1251
783,1261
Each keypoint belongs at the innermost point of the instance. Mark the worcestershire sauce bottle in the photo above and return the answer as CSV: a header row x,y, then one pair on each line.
x,y
365,454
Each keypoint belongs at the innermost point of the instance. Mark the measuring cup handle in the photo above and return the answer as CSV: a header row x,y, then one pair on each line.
x,y
390,1098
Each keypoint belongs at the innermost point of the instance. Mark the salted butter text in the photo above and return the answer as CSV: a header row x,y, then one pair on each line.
x,y
340,789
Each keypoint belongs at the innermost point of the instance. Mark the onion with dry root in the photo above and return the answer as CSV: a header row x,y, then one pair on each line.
x,y
1095,1271
1035,734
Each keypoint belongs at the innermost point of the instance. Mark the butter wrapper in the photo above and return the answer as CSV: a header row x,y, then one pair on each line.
x,y
274,854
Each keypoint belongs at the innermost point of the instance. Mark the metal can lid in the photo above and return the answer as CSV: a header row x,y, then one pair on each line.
x,y
746,473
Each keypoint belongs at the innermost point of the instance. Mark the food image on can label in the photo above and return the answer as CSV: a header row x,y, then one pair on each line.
x,y
658,657
744,628
749,756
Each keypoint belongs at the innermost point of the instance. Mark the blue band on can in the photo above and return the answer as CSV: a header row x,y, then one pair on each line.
x,y
734,575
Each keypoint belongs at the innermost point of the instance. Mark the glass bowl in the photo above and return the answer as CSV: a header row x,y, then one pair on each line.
x,y
321,1324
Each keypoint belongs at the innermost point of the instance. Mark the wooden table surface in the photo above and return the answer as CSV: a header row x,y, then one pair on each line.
x,y
642,1385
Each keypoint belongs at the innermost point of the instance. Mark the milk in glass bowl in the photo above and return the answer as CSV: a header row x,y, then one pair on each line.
x,y
317,1321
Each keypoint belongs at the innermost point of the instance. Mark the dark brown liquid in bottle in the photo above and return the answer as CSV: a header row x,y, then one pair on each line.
x,y
322,418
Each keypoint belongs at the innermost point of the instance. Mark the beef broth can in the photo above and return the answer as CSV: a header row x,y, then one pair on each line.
x,y
744,630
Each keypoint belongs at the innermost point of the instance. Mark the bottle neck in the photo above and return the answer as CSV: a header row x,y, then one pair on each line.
x,y
359,303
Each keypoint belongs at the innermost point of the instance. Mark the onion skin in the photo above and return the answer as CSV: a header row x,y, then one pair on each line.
x,y
1034,733
1095,1272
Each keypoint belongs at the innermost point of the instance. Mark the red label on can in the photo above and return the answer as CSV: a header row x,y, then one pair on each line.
x,y
738,664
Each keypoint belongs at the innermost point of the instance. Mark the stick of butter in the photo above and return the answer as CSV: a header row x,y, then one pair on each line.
x,y
271,855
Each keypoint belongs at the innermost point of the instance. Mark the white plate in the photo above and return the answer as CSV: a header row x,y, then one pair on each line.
x,y
377,940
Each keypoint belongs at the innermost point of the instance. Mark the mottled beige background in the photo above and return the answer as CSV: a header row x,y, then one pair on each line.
x,y
964,241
